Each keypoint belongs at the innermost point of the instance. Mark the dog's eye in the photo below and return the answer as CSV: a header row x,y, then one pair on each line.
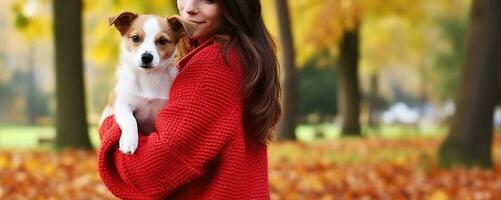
x,y
163,41
135,39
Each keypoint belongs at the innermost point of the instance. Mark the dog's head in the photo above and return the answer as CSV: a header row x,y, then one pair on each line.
x,y
149,41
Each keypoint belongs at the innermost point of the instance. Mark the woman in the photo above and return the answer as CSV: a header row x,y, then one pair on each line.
x,y
211,137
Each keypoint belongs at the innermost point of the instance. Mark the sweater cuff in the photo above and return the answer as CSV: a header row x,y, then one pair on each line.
x,y
177,172
108,129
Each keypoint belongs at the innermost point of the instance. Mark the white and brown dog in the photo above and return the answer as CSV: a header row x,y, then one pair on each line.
x,y
145,74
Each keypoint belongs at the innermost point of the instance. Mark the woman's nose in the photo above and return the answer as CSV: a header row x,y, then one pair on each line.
x,y
191,7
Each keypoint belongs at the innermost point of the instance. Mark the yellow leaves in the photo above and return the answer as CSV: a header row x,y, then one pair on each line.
x,y
67,160
50,175
399,160
3,162
48,170
104,49
321,26
31,165
384,169
438,195
33,19
402,35
38,28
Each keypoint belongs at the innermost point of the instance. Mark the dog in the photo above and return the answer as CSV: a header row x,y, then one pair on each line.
x,y
145,73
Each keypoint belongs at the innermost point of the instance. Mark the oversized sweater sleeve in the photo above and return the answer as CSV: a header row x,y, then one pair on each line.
x,y
186,140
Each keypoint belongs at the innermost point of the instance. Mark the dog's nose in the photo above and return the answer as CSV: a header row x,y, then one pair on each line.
x,y
146,58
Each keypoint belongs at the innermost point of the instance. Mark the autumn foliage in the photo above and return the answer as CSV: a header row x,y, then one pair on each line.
x,y
336,169
49,175
376,169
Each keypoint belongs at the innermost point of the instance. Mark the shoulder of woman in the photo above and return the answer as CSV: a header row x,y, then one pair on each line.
x,y
212,52
216,55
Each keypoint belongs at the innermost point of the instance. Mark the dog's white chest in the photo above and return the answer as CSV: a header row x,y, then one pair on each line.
x,y
145,94
146,113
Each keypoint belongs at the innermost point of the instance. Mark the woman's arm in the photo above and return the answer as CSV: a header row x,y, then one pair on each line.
x,y
190,133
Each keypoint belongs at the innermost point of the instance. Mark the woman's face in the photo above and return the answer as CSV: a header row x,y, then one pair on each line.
x,y
206,14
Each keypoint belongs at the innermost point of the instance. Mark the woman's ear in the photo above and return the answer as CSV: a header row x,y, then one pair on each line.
x,y
180,26
123,21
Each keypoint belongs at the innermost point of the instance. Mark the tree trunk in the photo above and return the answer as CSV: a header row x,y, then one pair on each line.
x,y
470,138
373,102
71,123
287,124
31,88
350,94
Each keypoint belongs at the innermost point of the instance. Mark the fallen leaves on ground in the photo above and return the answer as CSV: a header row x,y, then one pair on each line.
x,y
70,174
376,169
340,169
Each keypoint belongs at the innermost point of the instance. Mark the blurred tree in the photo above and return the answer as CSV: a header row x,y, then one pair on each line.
x,y
447,66
31,20
374,101
470,139
348,83
318,87
333,26
404,36
287,124
32,26
32,89
71,123
23,87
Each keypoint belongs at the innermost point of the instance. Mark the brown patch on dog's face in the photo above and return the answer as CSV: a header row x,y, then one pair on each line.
x,y
135,35
166,39
123,21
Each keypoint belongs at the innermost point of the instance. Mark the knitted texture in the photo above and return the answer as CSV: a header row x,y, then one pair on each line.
x,y
199,149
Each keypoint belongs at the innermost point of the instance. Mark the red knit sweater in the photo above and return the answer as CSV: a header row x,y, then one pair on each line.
x,y
200,150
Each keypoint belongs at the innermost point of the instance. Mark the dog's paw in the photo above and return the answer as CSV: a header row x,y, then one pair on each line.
x,y
128,143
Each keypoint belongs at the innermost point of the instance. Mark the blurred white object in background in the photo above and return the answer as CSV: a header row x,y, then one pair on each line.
x,y
400,113
497,118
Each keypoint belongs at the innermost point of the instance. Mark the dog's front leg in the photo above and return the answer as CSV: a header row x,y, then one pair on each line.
x,y
124,116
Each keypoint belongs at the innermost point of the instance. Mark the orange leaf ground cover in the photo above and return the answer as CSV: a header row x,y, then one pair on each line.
x,y
376,169
337,169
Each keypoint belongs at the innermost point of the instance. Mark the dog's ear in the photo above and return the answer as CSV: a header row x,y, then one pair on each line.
x,y
123,21
181,27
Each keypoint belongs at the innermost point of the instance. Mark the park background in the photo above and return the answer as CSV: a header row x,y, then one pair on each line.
x,y
382,99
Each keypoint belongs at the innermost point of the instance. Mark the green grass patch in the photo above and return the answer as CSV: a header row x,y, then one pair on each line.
x,y
26,137
30,137
308,133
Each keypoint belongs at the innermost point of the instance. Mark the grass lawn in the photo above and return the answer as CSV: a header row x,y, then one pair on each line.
x,y
28,137
328,131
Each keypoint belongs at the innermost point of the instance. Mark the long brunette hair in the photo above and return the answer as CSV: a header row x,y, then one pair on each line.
x,y
244,25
